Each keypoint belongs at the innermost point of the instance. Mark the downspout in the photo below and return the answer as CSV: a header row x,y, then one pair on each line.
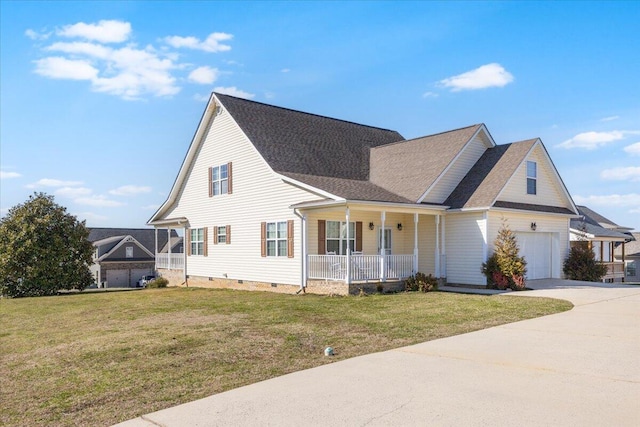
x,y
303,278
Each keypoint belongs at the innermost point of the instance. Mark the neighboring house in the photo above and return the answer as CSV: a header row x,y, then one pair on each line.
x,y
123,255
629,254
278,199
602,236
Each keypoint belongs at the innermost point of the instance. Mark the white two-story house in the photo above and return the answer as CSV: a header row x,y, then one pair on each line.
x,y
277,199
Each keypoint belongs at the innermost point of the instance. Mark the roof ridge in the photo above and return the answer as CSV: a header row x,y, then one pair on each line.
x,y
303,112
428,136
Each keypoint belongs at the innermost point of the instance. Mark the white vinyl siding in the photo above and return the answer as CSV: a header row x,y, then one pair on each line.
x,y
458,170
465,237
553,227
548,190
258,195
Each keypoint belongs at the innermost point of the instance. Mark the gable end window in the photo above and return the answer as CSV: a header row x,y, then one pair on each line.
x,y
220,180
277,239
129,252
532,178
197,241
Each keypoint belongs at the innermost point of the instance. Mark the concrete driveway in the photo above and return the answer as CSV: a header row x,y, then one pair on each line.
x,y
578,368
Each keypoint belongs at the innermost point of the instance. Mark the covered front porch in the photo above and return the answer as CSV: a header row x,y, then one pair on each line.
x,y
365,242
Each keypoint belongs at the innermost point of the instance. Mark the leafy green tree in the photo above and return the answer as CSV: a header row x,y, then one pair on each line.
x,y
581,264
505,268
43,249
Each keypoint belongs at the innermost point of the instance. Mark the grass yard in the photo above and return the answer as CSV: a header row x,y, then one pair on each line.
x,y
96,359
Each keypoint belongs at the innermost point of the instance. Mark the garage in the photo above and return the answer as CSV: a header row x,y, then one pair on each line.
x,y
118,278
537,250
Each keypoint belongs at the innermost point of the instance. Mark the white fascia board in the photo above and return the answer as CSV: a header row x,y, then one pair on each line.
x,y
196,141
370,206
450,165
308,187
169,221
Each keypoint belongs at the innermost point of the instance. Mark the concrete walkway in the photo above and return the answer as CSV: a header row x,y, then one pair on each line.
x,y
577,368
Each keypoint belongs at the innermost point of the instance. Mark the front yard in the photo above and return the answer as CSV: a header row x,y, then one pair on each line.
x,y
100,358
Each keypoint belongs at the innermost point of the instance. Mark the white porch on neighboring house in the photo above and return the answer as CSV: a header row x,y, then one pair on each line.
x,y
383,243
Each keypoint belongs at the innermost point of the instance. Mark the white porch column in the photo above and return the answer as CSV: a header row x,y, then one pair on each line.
x,y
305,251
485,236
443,247
169,247
437,260
415,243
383,257
155,255
184,254
348,250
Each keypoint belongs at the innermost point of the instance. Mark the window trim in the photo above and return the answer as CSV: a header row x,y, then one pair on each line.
x,y
287,238
340,238
532,178
199,251
220,180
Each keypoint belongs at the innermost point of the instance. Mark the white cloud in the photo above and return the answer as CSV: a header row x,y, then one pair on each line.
x,y
204,75
73,192
151,207
201,98
233,91
631,173
430,95
592,140
9,175
34,35
489,75
609,119
104,31
100,201
633,149
91,217
285,70
127,72
129,190
57,67
48,182
631,199
211,44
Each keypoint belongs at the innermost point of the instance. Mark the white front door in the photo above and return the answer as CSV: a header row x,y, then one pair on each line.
x,y
387,240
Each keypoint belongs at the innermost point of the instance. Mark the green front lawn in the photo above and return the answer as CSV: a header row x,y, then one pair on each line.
x,y
100,358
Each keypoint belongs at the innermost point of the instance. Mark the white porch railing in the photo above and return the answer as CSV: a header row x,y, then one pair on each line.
x,y
170,261
615,270
363,267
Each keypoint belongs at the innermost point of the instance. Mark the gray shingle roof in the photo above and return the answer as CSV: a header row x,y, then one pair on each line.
x,y
409,168
349,189
631,249
592,223
483,182
532,207
297,142
146,236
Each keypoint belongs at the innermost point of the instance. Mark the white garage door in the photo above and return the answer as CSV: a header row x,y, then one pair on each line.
x,y
137,273
118,278
536,248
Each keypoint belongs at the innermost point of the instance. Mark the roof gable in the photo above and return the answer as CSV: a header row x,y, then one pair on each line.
x,y
122,240
409,168
482,184
297,142
145,236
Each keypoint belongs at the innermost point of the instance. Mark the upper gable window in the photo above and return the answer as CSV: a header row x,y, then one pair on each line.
x,y
129,252
532,178
220,180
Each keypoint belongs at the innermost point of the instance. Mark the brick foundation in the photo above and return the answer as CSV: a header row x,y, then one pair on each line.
x,y
320,287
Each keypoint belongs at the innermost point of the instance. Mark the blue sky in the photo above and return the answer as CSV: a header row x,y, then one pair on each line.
x,y
100,100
